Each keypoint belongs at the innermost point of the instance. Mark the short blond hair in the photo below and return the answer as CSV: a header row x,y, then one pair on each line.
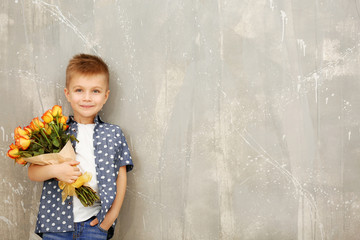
x,y
86,64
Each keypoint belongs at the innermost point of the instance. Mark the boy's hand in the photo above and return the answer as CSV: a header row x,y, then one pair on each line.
x,y
67,171
96,221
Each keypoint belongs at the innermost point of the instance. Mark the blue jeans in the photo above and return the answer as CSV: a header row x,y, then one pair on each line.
x,y
83,231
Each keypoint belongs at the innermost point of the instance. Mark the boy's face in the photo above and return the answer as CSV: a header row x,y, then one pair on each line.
x,y
87,95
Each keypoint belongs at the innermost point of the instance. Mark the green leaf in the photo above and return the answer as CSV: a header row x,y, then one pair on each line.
x,y
64,139
36,153
43,141
35,147
55,141
53,135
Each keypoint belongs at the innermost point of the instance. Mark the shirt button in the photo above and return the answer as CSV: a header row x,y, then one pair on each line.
x,y
69,203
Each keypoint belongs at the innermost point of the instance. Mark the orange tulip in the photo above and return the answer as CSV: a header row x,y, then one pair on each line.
x,y
13,146
23,142
47,117
20,161
63,119
36,124
28,129
65,127
20,132
47,129
56,111
13,151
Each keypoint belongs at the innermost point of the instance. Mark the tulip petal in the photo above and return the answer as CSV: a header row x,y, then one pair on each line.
x,y
56,111
13,153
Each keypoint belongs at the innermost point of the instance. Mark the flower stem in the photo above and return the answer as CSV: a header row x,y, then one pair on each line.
x,y
52,124
35,137
56,131
38,144
44,135
86,195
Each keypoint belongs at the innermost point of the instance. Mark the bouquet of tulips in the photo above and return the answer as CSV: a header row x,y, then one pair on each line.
x,y
47,142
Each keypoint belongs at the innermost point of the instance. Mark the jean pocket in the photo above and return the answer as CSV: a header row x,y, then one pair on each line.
x,y
101,229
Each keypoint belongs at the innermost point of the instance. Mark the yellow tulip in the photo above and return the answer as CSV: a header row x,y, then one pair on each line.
x,y
47,129
20,132
23,142
28,129
13,152
47,117
63,120
56,111
20,161
36,124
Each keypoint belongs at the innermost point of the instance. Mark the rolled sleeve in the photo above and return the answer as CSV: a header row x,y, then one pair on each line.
x,y
124,156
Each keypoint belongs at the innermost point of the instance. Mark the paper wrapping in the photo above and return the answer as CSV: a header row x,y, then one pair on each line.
x,y
67,153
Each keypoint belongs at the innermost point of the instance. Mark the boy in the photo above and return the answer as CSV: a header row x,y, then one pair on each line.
x,y
102,150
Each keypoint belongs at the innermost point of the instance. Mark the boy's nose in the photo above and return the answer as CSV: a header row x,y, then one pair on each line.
x,y
87,96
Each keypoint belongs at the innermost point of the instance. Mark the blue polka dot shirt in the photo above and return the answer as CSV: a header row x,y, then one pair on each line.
x,y
111,152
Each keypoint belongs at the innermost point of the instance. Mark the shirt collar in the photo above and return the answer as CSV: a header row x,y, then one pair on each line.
x,y
97,120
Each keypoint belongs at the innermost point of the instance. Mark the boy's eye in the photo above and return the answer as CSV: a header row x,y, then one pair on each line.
x,y
78,90
96,91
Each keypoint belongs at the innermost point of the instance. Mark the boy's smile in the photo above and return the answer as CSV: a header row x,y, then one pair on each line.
x,y
87,94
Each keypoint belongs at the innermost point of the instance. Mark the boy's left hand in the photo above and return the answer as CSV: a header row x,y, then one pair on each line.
x,y
96,221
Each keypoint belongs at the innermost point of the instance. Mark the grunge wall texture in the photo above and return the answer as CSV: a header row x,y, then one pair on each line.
x,y
242,116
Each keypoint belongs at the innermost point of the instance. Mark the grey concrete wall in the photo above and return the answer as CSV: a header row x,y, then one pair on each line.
x,y
242,116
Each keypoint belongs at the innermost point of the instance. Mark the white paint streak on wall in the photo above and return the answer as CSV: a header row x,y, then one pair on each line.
x,y
271,2
284,20
221,33
56,12
298,85
316,78
302,193
3,133
225,184
7,221
146,198
302,46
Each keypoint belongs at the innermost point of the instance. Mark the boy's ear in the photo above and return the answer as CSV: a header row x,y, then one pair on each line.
x,y
66,92
107,95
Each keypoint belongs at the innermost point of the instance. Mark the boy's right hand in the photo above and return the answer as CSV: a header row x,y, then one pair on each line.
x,y
68,171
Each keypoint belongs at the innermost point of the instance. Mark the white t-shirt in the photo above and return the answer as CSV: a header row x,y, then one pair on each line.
x,y
85,155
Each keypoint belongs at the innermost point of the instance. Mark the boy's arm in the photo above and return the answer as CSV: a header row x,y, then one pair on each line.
x,y
113,212
66,171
